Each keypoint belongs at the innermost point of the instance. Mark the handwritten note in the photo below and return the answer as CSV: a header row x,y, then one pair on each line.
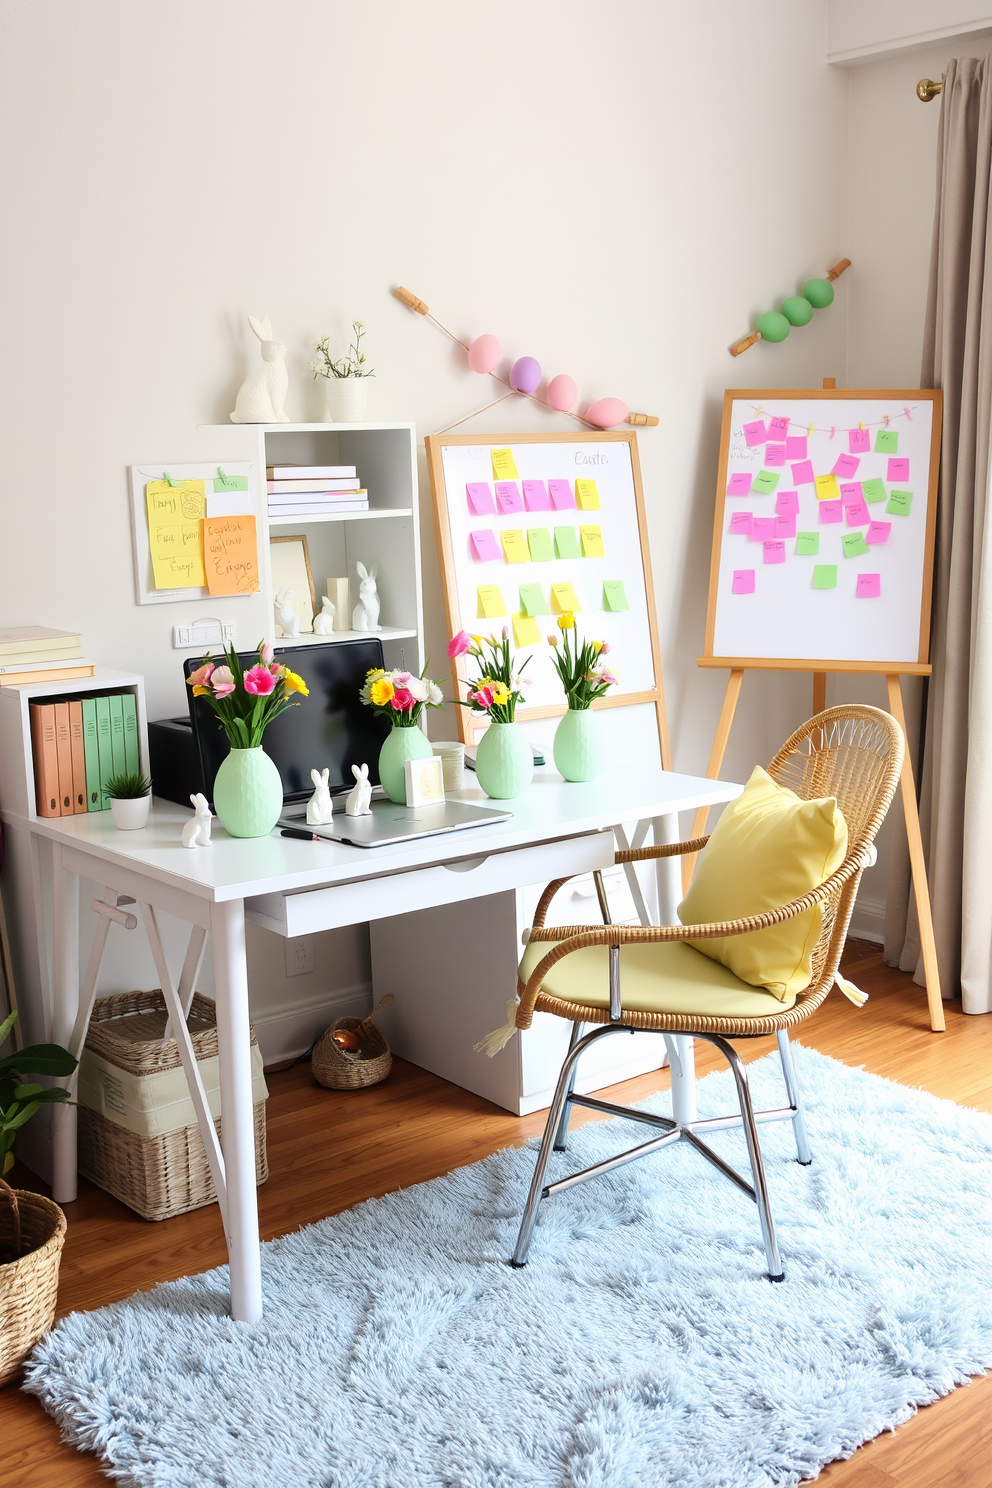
x,y
795,447
739,483
175,535
898,470
802,473
743,581
785,526
873,490
563,598
851,491
764,483
854,544
762,528
485,547
869,586
480,498
787,504
740,524
778,428
858,441
561,495
827,488
900,503
526,632
504,465
592,542
508,497
807,544
567,542
223,482
532,600
878,532
490,601
846,466
540,544
755,433
825,576
831,511
614,595
857,514
230,555
773,551
229,497
886,442
514,546
536,496
774,454
586,494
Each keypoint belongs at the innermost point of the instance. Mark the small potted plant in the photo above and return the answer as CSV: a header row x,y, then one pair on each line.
x,y
504,760
130,797
32,1228
347,387
401,697
585,677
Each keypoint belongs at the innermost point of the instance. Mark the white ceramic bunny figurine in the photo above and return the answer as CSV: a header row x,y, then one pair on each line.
x,y
323,623
287,619
262,396
359,797
196,832
319,808
366,612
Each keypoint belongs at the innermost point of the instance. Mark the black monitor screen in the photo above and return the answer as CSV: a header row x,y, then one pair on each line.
x,y
330,729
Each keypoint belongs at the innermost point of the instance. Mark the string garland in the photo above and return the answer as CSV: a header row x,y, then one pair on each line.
x,y
758,409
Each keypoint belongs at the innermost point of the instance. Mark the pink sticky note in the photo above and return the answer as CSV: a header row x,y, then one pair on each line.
x,y
755,433
898,470
743,581
762,528
787,504
740,483
869,586
487,549
778,428
536,496
846,466
785,526
561,494
774,551
857,514
480,498
508,497
740,524
795,447
830,511
774,454
859,441
878,532
851,491
802,473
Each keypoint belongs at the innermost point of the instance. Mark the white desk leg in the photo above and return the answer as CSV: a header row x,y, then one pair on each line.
x,y
65,1005
668,870
227,924
681,1051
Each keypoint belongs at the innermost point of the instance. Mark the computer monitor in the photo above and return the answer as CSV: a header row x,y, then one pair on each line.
x,y
330,730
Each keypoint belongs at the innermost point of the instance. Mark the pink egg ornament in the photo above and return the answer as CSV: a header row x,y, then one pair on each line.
x,y
484,354
562,392
525,375
605,413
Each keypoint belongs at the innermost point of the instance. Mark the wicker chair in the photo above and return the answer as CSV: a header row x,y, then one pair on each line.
x,y
853,754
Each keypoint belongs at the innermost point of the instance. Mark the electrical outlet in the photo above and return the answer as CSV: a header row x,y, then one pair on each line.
x,y
202,634
299,955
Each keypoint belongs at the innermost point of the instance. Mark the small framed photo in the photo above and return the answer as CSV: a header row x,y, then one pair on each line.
x,y
289,558
424,781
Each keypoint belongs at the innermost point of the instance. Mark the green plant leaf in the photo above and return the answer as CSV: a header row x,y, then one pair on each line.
x,y
25,1092
8,1163
5,1028
39,1059
11,1123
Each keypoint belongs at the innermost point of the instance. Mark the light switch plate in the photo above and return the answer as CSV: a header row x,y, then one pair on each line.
x,y
201,635
299,955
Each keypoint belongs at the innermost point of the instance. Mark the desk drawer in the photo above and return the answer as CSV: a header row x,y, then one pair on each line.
x,y
422,888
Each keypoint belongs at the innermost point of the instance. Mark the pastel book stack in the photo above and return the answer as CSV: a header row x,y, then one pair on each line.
x,y
314,490
78,744
33,653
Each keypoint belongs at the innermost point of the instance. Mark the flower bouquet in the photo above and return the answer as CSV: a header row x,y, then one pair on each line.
x,y
401,697
504,761
248,790
585,677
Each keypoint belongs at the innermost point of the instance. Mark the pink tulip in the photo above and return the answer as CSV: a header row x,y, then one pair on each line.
x,y
266,654
459,644
608,678
605,648
259,681
201,676
222,689
403,700
402,679
222,681
483,697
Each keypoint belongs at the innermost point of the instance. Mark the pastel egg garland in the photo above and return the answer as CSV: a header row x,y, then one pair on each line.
x,y
797,310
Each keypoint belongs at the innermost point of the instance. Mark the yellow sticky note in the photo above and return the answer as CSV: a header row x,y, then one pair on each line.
x,y
827,488
564,597
175,533
490,602
526,631
592,542
586,495
515,546
230,554
504,465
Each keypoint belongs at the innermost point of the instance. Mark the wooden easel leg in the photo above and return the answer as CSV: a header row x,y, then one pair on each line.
x,y
819,692
928,945
716,760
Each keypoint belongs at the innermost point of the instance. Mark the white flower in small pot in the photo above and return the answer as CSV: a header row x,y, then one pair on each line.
x,y
130,798
347,386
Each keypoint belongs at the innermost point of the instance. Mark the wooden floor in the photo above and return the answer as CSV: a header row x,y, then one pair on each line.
x,y
329,1150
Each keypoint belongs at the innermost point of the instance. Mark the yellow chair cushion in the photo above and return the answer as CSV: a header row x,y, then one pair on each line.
x,y
660,978
768,848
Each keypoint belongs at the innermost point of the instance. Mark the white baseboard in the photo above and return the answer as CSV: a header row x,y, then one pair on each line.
x,y
288,1030
868,920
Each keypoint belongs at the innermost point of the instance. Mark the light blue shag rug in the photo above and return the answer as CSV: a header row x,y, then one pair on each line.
x,y
641,1347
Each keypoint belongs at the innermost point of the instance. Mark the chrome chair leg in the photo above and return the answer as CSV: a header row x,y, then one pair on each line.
x,y
561,1135
775,1269
795,1101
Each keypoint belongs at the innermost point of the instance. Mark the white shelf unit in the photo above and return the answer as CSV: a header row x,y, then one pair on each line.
x,y
385,456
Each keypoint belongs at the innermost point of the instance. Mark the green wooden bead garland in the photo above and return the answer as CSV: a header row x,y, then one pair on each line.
x,y
797,310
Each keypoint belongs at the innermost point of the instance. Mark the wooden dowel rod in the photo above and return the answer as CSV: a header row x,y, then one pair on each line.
x,y
740,346
409,299
716,760
645,419
819,692
838,269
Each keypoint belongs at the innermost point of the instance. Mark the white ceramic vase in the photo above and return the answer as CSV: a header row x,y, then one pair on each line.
x,y
347,399
130,814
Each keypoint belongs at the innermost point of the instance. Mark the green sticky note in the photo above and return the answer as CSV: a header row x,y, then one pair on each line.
x,y
764,483
614,595
854,544
900,502
532,600
541,548
807,543
230,483
567,542
886,442
874,490
825,576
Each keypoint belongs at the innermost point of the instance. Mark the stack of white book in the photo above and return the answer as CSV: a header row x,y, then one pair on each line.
x,y
33,653
314,490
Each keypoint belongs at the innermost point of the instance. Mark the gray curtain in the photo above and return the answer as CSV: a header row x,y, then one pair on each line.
x,y
957,356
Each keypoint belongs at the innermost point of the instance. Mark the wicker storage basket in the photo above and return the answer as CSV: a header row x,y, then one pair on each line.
x,y
336,1069
28,1286
158,1173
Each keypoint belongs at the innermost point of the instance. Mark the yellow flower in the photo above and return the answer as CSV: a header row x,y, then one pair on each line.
x,y
201,691
292,683
381,692
374,672
566,621
476,639
597,646
501,693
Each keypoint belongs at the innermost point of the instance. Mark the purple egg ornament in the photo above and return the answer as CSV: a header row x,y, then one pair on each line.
x,y
525,375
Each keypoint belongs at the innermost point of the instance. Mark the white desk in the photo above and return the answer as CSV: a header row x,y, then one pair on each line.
x,y
294,887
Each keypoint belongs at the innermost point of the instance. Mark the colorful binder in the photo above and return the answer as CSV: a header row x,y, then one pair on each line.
x,y
91,754
117,755
78,757
132,758
46,767
103,745
63,749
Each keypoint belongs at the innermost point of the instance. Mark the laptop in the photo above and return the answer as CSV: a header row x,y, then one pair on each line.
x,y
388,823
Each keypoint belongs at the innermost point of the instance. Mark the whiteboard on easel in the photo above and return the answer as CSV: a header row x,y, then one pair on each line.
x,y
196,521
824,530
525,521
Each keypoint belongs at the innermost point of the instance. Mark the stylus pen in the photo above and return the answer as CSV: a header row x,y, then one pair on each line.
x,y
303,836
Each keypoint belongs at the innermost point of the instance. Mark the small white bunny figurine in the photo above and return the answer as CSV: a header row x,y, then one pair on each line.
x,y
359,797
366,613
287,619
196,832
319,808
262,396
323,623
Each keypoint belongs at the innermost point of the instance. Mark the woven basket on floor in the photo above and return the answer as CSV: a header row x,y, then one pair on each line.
x,y
338,1070
28,1286
167,1173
